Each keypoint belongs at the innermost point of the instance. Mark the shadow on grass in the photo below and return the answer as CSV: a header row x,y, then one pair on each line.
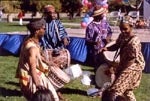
x,y
72,91
8,92
13,83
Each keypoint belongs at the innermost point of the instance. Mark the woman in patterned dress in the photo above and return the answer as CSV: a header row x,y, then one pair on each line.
x,y
129,72
32,69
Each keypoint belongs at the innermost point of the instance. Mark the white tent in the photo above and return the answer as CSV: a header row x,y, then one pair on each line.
x,y
146,8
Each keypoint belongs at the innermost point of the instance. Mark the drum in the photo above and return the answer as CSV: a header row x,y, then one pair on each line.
x,y
58,77
61,58
100,77
109,55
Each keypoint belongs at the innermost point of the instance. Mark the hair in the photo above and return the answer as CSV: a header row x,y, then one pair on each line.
x,y
43,95
35,24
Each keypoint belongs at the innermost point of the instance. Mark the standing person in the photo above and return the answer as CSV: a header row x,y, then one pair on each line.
x,y
129,71
98,33
32,68
55,36
20,16
1,14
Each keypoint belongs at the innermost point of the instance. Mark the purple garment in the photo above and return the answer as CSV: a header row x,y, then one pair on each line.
x,y
98,31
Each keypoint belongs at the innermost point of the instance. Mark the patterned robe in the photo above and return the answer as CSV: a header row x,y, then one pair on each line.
x,y
129,71
54,34
28,86
97,31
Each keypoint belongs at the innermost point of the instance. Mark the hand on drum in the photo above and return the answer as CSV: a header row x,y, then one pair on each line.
x,y
103,49
65,41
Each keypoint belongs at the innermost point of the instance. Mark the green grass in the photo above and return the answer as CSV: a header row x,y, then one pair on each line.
x,y
10,90
11,27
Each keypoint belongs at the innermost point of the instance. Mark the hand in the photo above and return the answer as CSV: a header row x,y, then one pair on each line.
x,y
98,42
66,42
103,49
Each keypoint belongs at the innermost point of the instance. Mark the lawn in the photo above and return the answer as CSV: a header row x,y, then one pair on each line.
x,y
10,90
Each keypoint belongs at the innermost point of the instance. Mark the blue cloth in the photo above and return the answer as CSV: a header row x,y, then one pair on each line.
x,y
77,49
11,43
52,39
146,53
3,38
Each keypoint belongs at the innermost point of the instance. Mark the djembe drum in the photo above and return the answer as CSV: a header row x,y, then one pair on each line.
x,y
110,56
100,77
61,57
57,77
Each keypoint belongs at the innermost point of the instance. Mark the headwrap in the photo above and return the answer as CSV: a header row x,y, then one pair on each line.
x,y
36,24
128,20
49,8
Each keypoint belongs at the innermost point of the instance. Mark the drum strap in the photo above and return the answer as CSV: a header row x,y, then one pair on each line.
x,y
118,52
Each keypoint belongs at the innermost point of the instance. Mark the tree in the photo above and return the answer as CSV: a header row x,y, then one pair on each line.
x,y
37,5
71,6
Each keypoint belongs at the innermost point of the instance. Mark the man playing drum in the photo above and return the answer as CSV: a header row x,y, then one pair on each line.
x,y
98,33
55,39
33,71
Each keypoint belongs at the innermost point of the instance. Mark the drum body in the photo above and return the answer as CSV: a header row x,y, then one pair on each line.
x,y
62,59
58,77
109,55
100,77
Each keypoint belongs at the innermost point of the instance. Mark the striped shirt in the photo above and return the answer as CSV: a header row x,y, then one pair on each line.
x,y
54,34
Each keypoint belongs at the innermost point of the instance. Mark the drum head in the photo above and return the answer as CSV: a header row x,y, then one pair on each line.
x,y
109,55
101,77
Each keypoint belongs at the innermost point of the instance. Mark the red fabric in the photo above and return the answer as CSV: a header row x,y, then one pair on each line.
x,y
20,15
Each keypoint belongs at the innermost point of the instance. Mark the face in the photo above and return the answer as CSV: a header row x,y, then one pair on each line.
x,y
125,29
50,15
41,32
99,17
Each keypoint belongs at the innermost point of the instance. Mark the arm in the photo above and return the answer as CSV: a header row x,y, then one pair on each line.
x,y
109,34
32,60
114,46
134,49
89,35
62,33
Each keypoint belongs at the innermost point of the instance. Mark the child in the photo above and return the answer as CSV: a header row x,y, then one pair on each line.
x,y
129,71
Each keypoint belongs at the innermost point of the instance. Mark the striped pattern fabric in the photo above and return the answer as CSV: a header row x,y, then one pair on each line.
x,y
51,37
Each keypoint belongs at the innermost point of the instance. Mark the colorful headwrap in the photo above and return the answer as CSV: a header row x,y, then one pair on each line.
x,y
49,8
127,19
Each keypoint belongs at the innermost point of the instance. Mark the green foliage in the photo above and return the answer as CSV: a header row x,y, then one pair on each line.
x,y
28,5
